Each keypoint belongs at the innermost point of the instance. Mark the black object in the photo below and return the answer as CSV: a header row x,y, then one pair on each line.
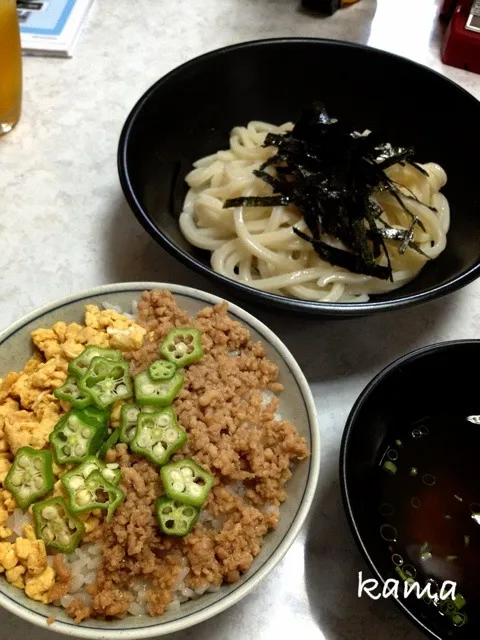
x,y
437,379
329,173
189,113
327,7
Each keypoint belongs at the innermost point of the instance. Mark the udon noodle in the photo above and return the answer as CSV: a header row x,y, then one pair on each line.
x,y
258,247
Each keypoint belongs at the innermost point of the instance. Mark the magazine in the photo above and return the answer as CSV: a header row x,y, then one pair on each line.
x,y
51,27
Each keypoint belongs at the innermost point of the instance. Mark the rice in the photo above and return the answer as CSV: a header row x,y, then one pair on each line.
x,y
139,590
137,609
83,564
17,521
115,307
210,406
267,398
66,600
84,597
210,522
237,489
212,588
181,577
200,590
270,508
112,558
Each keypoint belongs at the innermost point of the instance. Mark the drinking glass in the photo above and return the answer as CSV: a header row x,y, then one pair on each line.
x,y
10,66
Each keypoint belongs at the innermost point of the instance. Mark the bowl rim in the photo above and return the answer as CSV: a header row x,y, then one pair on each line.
x,y
267,335
364,396
343,309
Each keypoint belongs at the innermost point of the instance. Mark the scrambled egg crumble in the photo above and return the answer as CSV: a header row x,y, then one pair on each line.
x,y
28,413
24,563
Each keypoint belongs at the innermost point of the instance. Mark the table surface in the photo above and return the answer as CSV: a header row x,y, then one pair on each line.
x,y
65,227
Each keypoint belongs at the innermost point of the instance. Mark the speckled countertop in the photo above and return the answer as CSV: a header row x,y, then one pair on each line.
x,y
64,226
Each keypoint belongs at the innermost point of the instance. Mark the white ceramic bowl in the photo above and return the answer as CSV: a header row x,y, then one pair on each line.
x,y
296,404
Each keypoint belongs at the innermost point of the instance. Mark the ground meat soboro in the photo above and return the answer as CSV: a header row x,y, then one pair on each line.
x,y
232,432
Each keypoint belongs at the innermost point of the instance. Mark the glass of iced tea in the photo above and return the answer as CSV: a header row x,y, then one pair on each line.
x,y
10,66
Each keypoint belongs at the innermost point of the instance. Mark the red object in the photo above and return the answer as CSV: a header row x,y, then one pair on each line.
x,y
461,47
447,9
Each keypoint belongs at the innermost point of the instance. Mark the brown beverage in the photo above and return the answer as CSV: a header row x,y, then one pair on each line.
x,y
10,66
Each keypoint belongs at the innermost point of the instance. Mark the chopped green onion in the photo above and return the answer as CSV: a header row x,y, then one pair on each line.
x,y
466,540
399,443
413,471
458,498
460,601
404,575
448,608
390,467
451,558
459,619
425,551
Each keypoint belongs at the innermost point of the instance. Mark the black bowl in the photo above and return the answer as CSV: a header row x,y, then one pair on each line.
x,y
190,112
437,379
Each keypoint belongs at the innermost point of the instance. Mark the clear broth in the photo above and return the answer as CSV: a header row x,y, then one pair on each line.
x,y
429,510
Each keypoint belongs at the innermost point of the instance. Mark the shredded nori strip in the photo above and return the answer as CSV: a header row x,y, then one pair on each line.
x,y
329,172
401,235
252,201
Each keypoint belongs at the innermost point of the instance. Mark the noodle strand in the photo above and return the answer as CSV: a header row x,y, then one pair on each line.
x,y
257,245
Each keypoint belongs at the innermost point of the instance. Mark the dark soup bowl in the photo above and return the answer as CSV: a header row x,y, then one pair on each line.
x,y
411,486
189,113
